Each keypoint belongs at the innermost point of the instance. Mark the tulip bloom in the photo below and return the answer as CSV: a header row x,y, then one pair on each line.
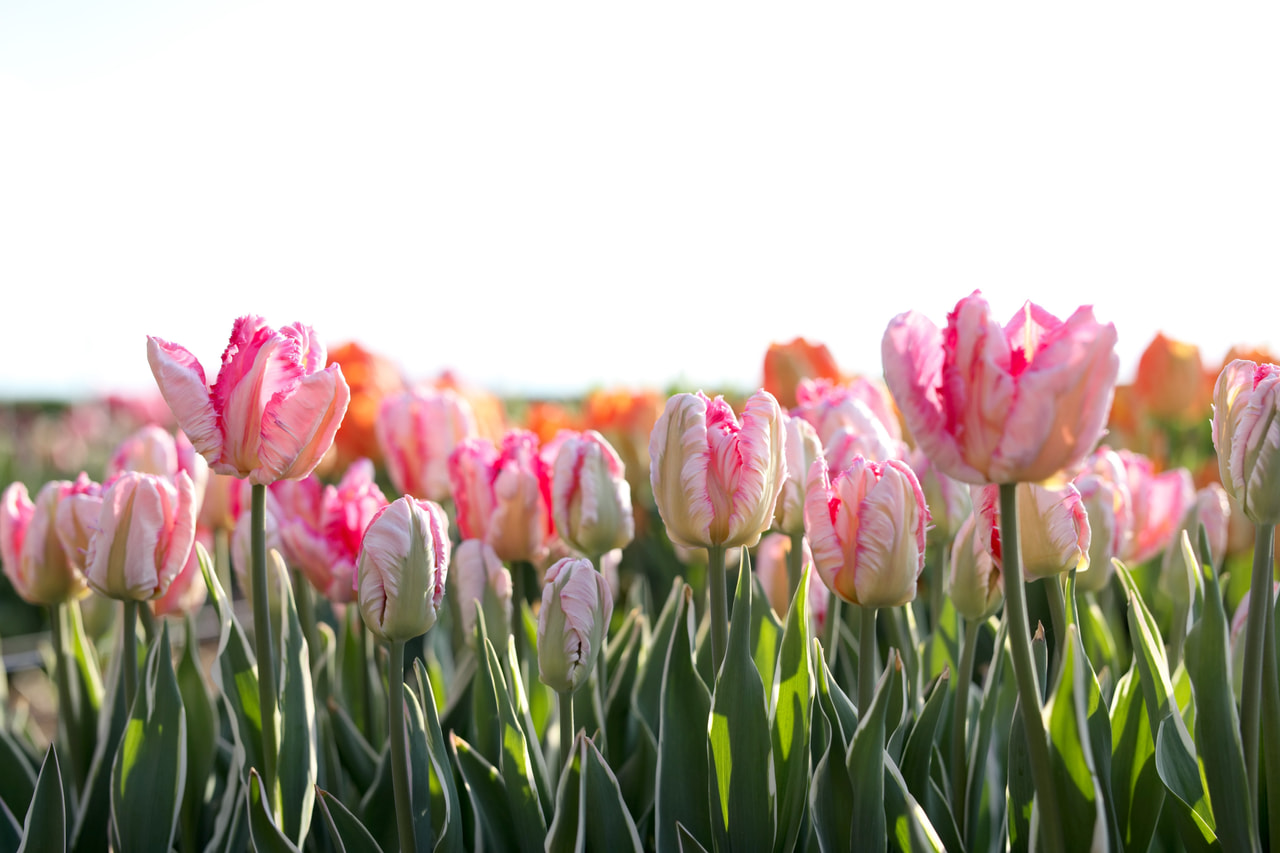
x,y
188,591
1170,381
404,561
590,498
503,495
146,530
153,450
1002,405
976,585
948,500
1246,435
1053,524
802,447
1158,501
787,365
572,623
35,559
860,403
716,481
417,431
867,530
274,409
477,573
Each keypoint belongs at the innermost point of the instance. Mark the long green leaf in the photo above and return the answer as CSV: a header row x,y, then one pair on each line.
x,y
792,702
346,831
831,795
866,759
488,795
647,695
590,812
446,811
202,731
298,763
1139,794
85,688
18,782
10,829
45,827
908,826
267,837
1075,779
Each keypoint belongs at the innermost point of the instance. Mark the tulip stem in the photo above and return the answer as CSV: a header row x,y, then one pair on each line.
x,y
1271,724
366,683
959,724
399,747
566,727
129,650
1024,671
62,672
1255,633
1058,616
263,645
148,619
719,605
867,659
832,642
795,565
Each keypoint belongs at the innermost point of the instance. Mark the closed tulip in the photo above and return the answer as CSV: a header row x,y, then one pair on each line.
x,y
146,530
417,430
153,450
36,562
1053,524
867,530
590,498
976,583
1158,501
404,563
274,409
716,480
478,576
572,623
802,447
1246,435
503,495
1002,405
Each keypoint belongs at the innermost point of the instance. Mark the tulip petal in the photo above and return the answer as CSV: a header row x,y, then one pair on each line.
x,y
679,459
299,424
183,386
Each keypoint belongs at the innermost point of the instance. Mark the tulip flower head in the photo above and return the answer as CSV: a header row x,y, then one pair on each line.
x,y
404,563
867,530
478,576
1246,435
802,447
36,560
274,409
146,530
976,584
573,620
1002,405
1158,503
590,498
503,495
417,430
716,480
1052,523
787,365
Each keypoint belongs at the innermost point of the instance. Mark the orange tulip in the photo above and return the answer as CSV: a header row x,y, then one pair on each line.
x,y
1170,381
786,364
371,378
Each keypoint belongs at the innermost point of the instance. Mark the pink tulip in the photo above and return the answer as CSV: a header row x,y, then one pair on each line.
x,y
572,623
590,497
503,497
325,547
976,583
274,409
403,566
146,530
1159,502
847,424
801,446
948,500
417,430
225,499
1052,523
36,561
1002,405
716,481
476,568
1246,434
1104,489
771,568
867,530
188,591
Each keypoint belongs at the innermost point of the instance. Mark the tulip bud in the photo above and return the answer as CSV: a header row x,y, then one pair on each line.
x,y
1102,501
35,559
590,498
572,623
404,560
478,576
867,530
504,495
1052,523
417,430
976,582
801,446
146,530
1158,501
153,450
1246,434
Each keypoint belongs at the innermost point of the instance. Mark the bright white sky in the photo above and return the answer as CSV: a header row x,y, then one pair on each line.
x,y
550,196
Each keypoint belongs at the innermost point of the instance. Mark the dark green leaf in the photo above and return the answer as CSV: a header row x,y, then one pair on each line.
x,y
45,827
488,796
267,837
349,835
297,729
790,716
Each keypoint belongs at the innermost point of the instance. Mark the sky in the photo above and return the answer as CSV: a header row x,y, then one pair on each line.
x,y
550,197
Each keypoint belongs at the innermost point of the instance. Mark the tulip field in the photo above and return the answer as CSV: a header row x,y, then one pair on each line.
x,y
994,597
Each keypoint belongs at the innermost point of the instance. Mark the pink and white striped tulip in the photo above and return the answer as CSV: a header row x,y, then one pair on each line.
x,y
1246,434
403,567
1002,405
478,576
274,409
590,496
77,518
417,430
154,450
503,495
976,582
36,561
802,446
572,623
1158,501
146,530
861,403
716,481
188,591
867,530
1052,523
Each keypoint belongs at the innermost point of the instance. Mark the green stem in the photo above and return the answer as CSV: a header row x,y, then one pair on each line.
x,y
519,596
129,663
719,605
936,563
1255,634
148,619
264,648
1058,616
602,678
399,747
67,729
306,612
795,565
1178,634
832,641
867,660
959,723
1271,726
1025,673
566,728
366,683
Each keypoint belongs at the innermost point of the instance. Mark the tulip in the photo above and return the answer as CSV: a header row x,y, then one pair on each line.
x,y
590,498
572,623
1212,510
1170,380
188,591
478,576
787,365
1158,503
1246,435
372,378
860,403
503,496
948,500
1054,527
1106,503
146,530
417,431
993,405
274,409
37,563
153,450
404,561
772,557
626,419
225,499
801,446
77,519
976,584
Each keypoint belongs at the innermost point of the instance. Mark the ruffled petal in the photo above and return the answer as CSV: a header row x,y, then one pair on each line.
x,y
182,384
299,425
679,459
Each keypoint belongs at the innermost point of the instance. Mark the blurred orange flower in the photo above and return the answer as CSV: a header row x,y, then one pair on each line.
x,y
786,364
371,377
1170,381
626,418
546,419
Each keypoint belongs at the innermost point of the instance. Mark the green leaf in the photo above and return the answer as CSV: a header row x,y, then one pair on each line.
x,y
624,667
766,630
446,811
419,773
647,695
514,760
688,844
908,825
202,730
1180,772
919,764
1071,753
80,662
297,729
349,835
18,782
521,716
267,837
683,776
488,795
831,796
989,752
45,827
1139,794
866,759
10,829
150,769
942,648
590,813
357,756
793,687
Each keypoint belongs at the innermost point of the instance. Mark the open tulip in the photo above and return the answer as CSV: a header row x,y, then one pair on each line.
x,y
274,409
787,365
590,498
1053,523
146,530
1158,503
404,562
503,495
573,620
1002,405
1246,434
417,430
36,562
